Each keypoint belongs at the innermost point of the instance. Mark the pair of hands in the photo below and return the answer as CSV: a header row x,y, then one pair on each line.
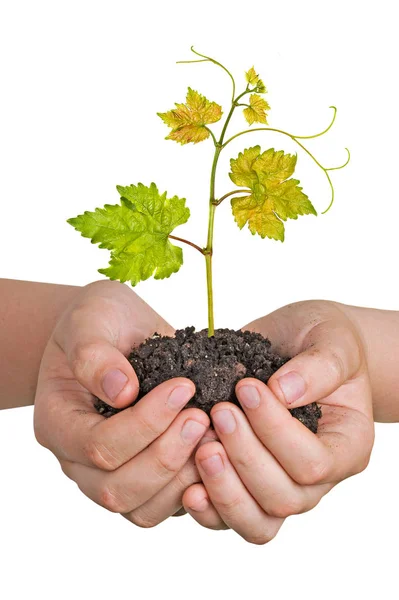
x,y
154,460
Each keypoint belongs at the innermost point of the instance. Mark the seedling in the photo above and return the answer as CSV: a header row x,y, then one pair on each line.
x,y
138,231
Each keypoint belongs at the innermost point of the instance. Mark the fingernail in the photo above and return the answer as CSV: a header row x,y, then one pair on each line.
x,y
113,383
179,397
201,506
192,430
292,385
249,396
224,421
213,466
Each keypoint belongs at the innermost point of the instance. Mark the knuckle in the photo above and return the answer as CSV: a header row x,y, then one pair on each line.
x,y
187,476
111,500
166,465
286,508
143,520
245,460
313,473
77,315
147,430
100,456
259,539
337,366
82,357
229,506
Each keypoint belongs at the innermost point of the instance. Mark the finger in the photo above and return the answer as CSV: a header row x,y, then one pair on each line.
x,y
87,438
197,504
328,353
338,450
141,478
236,507
263,476
168,501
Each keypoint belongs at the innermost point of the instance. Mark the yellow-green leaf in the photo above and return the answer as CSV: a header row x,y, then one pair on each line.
x,y
274,165
256,112
274,198
136,231
251,76
242,172
259,216
253,79
188,121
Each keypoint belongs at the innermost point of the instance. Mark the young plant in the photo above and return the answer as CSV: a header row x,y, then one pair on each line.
x,y
138,231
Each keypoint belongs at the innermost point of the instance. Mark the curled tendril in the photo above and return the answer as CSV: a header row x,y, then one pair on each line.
x,y
342,166
330,182
209,59
296,139
309,137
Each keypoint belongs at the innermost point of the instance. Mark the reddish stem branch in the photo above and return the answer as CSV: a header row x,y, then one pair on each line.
x,y
217,202
174,237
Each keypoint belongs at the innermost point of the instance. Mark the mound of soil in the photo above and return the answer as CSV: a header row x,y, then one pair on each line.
x,y
214,364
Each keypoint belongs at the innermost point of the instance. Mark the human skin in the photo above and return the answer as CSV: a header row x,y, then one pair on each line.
x,y
28,314
333,343
266,465
139,462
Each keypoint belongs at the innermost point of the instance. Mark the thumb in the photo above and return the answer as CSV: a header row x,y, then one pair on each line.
x,y
331,356
104,371
89,338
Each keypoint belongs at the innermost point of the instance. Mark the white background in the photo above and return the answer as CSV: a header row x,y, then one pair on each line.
x,y
81,83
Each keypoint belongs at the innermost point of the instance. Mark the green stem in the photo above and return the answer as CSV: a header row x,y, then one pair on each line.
x,y
209,243
212,206
211,220
212,134
233,107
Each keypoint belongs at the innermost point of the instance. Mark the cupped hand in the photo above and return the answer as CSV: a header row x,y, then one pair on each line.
x,y
140,461
264,464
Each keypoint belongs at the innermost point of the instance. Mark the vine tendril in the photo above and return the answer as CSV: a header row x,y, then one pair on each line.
x,y
209,59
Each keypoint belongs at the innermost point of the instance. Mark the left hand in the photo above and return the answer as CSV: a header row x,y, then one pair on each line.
x,y
267,465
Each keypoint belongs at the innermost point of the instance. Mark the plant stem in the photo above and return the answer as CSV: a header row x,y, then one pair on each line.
x,y
233,106
209,243
179,239
211,219
217,202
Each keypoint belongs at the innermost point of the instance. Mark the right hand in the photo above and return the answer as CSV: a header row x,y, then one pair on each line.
x,y
273,466
141,460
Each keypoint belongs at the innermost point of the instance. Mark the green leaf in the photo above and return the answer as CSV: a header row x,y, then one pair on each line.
x,y
188,121
274,197
136,231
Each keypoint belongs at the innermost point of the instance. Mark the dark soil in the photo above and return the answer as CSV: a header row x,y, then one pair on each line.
x,y
214,364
